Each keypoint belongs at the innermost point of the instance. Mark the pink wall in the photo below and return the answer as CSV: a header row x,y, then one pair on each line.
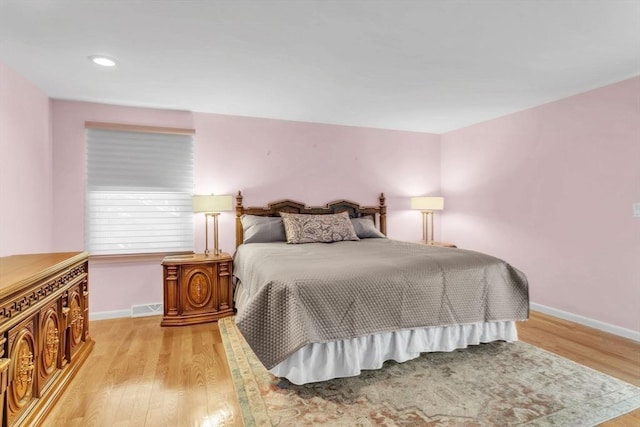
x,y
550,189
26,191
527,187
314,163
266,159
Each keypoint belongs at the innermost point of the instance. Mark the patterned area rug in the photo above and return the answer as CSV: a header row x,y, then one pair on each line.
x,y
497,384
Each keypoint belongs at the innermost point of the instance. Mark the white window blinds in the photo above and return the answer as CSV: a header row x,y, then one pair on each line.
x,y
139,188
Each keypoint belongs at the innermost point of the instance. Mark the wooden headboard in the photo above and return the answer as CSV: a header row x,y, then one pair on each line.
x,y
379,213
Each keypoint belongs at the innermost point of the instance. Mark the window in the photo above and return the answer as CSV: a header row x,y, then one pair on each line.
x,y
138,190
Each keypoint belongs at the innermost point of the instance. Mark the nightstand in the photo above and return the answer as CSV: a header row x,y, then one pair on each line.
x,y
197,289
441,244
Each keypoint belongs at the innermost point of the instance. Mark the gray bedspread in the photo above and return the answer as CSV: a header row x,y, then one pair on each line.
x,y
321,292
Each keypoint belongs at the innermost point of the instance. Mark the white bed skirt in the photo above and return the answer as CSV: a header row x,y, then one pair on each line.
x,y
324,361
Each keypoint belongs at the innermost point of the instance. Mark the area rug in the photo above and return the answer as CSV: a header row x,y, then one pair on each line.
x,y
496,384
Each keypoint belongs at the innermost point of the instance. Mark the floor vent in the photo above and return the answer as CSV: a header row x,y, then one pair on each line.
x,y
146,310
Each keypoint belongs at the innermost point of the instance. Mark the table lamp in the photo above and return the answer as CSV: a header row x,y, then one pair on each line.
x,y
427,205
211,205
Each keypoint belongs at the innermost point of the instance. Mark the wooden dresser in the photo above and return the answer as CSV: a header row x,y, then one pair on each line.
x,y
44,331
197,288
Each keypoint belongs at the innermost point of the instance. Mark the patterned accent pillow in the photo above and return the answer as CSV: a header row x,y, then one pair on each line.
x,y
301,228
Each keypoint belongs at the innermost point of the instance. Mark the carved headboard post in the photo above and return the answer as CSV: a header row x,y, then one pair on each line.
x,y
383,215
239,212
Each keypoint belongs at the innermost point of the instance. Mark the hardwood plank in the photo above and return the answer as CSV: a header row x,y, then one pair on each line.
x,y
140,374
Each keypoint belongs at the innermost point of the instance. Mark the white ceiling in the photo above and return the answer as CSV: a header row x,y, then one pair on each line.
x,y
429,66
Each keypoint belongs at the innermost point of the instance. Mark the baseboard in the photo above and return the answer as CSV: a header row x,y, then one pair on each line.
x,y
103,315
143,310
586,321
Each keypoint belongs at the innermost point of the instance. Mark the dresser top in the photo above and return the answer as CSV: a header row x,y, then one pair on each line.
x,y
19,270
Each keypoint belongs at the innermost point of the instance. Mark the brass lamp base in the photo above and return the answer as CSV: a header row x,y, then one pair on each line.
x,y
216,249
427,226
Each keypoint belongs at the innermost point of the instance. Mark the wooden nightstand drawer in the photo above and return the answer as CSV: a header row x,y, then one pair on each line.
x,y
197,289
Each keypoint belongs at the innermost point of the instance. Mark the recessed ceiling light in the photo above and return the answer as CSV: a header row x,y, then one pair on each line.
x,y
103,60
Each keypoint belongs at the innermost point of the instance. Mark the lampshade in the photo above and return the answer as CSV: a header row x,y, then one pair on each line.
x,y
212,203
427,203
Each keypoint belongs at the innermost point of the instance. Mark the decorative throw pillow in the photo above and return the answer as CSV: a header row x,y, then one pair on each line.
x,y
262,229
365,228
301,228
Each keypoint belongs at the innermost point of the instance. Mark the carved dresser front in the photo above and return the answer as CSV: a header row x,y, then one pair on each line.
x,y
44,331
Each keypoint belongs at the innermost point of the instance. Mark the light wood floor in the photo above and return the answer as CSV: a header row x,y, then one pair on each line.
x,y
140,374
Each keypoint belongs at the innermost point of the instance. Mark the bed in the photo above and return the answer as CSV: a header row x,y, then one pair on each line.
x,y
332,308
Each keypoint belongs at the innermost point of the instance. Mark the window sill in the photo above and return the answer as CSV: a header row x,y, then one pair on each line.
x,y
124,258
